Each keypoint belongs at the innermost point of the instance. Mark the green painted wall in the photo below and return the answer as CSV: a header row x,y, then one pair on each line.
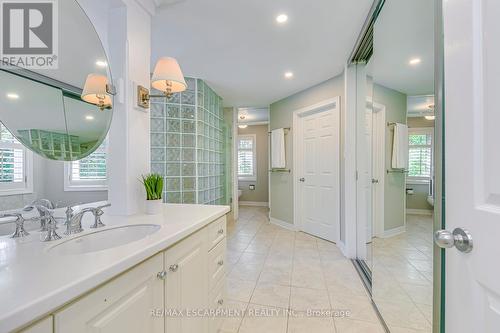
x,y
281,116
395,111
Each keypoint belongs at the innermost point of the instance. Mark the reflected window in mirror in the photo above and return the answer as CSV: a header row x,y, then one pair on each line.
x,y
420,152
89,173
16,165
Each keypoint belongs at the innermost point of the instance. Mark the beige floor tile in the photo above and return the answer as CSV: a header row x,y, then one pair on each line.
x,y
401,314
261,319
244,271
239,290
235,313
271,295
304,324
303,299
308,279
359,307
276,275
344,325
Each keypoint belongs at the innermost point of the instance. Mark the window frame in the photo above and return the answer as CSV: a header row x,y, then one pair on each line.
x,y
26,187
421,130
253,137
85,185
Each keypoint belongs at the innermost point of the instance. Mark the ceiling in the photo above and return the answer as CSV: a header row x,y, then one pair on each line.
x,y
253,115
403,31
418,106
242,53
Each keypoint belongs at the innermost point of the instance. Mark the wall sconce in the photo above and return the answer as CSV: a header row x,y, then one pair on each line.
x,y
167,78
97,91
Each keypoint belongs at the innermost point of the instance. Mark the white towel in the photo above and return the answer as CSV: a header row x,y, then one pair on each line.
x,y
278,159
400,147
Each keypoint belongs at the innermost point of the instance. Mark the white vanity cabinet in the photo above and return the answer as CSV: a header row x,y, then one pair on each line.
x,y
124,304
186,284
184,281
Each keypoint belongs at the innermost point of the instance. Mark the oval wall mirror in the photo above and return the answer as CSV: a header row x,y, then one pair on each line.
x,y
56,92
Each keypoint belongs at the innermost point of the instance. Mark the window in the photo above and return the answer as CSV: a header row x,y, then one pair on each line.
x,y
247,157
16,175
89,173
420,146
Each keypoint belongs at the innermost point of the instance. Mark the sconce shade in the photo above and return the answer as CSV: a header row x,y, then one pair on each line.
x,y
95,91
167,71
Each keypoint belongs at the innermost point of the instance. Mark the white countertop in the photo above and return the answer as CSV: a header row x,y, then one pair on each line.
x,y
34,282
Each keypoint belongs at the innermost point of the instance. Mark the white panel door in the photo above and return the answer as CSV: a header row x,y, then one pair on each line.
x,y
186,285
123,305
318,172
472,162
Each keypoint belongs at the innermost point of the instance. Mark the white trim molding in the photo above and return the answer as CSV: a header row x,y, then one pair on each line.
x,y
427,212
283,224
254,203
394,231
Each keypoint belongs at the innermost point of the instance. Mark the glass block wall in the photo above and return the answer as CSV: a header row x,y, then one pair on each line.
x,y
187,144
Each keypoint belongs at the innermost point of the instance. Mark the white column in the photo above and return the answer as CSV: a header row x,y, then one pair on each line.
x,y
127,35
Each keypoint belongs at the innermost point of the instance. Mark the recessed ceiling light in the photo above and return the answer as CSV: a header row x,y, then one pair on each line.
x,y
101,63
12,96
282,18
288,75
89,117
415,61
242,126
430,117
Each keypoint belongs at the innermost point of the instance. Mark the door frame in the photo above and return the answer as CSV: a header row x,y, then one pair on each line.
x,y
297,160
378,167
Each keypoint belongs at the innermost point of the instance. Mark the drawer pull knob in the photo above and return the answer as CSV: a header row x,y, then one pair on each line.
x,y
173,268
221,301
221,232
161,275
220,263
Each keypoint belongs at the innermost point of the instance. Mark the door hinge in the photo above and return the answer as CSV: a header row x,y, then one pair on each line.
x,y
357,175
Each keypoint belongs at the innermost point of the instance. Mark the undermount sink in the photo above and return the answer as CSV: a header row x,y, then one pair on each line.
x,y
104,239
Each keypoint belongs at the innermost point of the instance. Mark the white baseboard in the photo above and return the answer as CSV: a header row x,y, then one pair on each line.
x,y
420,212
394,232
282,224
254,203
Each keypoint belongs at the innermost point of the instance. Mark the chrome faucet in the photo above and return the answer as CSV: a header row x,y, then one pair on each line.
x,y
50,222
20,231
74,221
39,204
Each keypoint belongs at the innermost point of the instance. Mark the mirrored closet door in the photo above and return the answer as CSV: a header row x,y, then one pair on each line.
x,y
395,149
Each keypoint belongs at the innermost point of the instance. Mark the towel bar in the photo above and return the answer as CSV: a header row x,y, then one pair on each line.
x,y
285,128
397,171
280,170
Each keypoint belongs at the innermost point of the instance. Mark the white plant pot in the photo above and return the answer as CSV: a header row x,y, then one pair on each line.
x,y
154,207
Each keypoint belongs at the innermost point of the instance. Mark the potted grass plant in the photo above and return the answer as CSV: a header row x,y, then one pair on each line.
x,y
153,183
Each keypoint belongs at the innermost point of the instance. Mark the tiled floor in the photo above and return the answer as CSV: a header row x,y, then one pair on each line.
x,y
278,275
402,277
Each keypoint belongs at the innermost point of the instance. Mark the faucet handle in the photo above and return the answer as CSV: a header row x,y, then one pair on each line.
x,y
20,231
97,216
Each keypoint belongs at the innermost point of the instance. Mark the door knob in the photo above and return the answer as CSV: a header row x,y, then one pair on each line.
x,y
374,181
302,179
173,268
459,238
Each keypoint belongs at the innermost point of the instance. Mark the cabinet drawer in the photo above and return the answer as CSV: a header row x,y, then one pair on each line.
x,y
216,302
216,263
216,231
